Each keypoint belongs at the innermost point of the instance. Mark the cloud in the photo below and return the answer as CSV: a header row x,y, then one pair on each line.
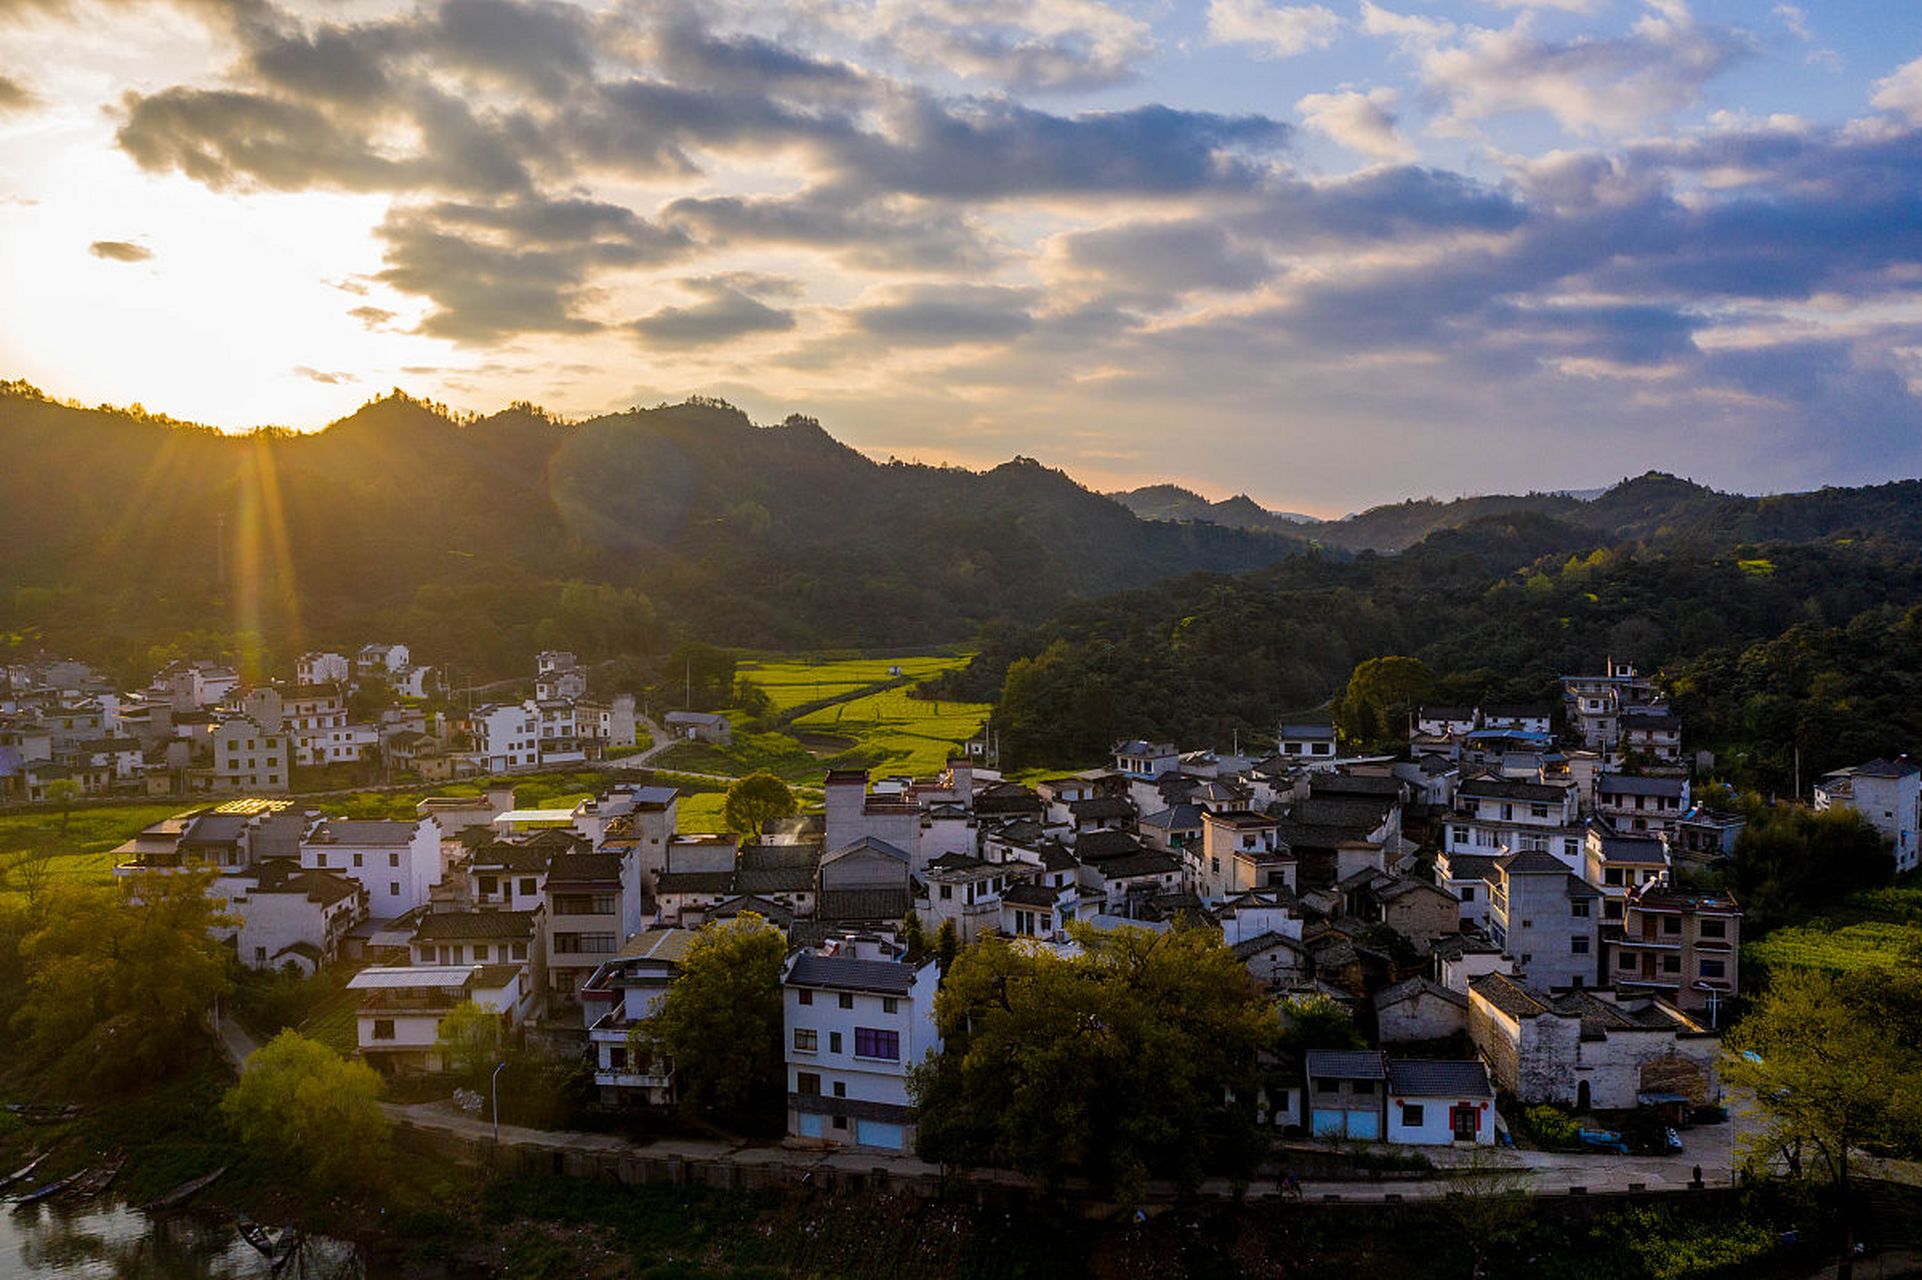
x,y
373,317
946,315
726,311
1153,263
120,251
1276,31
492,271
1795,19
1901,92
1410,29
877,234
15,96
1589,84
1360,121
317,375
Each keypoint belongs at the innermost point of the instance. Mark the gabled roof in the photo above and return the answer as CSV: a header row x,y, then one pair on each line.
x,y
1625,784
363,832
1092,846
1100,807
1532,862
1510,996
1130,866
1420,1078
1140,747
868,845
1411,988
741,904
1181,817
694,882
1267,940
1027,893
844,973
1512,789
881,905
1882,767
1347,1064
583,868
475,924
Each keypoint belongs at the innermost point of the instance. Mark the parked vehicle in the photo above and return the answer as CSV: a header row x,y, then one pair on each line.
x,y
1603,1140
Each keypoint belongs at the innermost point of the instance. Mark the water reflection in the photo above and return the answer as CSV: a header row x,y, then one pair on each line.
x,y
117,1242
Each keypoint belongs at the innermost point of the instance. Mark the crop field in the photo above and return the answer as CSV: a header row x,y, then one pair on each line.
x,y
795,682
83,850
905,735
1876,928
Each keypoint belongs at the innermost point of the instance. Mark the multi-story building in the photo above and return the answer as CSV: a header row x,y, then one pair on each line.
x,y
591,912
1886,792
559,732
1546,920
503,737
1596,704
620,995
857,1019
1679,944
399,863
1241,850
398,1024
1303,743
249,756
1617,865
1494,816
1652,734
1632,804
321,667
383,660
315,717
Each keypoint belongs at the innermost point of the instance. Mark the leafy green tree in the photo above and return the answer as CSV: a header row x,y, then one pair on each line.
x,y
698,675
914,937
756,800
1829,1075
1116,1062
720,1024
1380,694
119,984
61,793
470,1040
1317,1022
307,1110
1795,861
947,945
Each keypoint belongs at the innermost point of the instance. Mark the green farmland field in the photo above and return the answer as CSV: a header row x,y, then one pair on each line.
x,y
909,735
1873,929
795,682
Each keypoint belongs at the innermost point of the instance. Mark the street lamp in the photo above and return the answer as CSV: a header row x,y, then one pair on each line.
x,y
494,1084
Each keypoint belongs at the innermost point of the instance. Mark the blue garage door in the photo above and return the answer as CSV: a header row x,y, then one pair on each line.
x,y
1327,1123
810,1125
872,1133
1364,1125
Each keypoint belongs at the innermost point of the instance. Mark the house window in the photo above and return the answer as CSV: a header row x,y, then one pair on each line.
x,y
480,952
1411,1114
1671,964
1468,893
870,1042
1626,962
1714,969
1579,908
840,1122
393,859
834,1042
807,1083
947,892
520,951
889,1004
804,997
1671,924
528,886
847,1000
840,1088
1578,946
1363,1088
806,1040
393,888
383,1028
357,860
1714,929
617,1057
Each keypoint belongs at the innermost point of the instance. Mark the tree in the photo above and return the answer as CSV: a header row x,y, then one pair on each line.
x,y
61,793
305,1108
1797,861
1380,694
1138,1057
914,937
947,945
754,801
470,1040
120,985
1317,1022
720,1024
1830,1072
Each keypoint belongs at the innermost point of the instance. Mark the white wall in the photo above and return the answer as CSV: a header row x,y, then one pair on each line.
x,y
1435,1129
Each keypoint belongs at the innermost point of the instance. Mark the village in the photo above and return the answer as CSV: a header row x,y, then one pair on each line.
x,y
1504,914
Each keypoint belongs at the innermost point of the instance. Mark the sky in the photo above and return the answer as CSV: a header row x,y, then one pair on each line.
x,y
1326,254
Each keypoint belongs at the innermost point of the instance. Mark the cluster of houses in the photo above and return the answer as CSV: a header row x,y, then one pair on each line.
x,y
1497,908
198,728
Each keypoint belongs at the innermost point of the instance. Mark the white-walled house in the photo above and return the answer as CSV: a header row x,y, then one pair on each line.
x,y
398,1023
503,737
1631,803
1440,1103
398,862
383,659
617,997
248,756
318,667
289,916
1494,816
1886,792
1307,742
856,1020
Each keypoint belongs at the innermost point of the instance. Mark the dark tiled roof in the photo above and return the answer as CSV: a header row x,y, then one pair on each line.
x,y
1347,1064
365,832
1417,1078
773,912
1130,866
583,868
509,857
1412,987
1029,894
790,879
1099,808
1181,817
840,973
864,904
1511,789
694,882
1623,784
1239,818
1092,846
475,924
955,862
1510,996
868,844
1248,948
1532,862
1886,768
1350,784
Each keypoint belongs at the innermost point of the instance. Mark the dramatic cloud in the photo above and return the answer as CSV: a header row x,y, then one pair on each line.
x,y
1360,121
1276,31
1590,84
727,310
1021,44
373,317
1901,92
944,315
15,96
120,251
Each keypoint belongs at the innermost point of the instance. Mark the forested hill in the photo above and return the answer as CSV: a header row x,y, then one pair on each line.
x,y
1647,506
1811,641
478,542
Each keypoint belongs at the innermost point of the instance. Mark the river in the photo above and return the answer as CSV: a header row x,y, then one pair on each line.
x,y
109,1241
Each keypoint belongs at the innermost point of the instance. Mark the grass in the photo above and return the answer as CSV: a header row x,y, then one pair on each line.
x,y
908,735
701,811
795,682
84,851
1876,928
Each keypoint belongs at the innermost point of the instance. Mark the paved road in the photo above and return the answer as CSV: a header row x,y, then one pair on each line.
x,y
1535,1172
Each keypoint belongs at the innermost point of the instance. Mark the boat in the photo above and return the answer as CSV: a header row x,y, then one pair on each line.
x,y
23,1171
48,1190
184,1192
100,1177
276,1244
